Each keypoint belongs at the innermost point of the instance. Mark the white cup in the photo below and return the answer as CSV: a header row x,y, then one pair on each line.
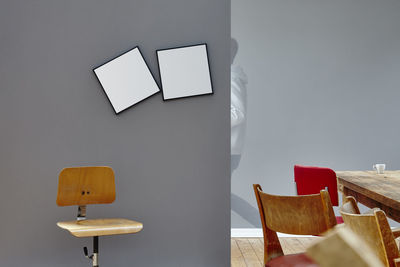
x,y
380,168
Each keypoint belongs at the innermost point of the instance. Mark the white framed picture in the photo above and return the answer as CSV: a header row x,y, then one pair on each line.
x,y
184,71
126,80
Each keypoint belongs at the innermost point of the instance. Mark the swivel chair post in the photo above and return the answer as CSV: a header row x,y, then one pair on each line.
x,y
95,256
95,251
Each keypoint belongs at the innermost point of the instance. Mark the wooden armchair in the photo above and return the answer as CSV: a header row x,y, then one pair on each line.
x,y
374,229
298,215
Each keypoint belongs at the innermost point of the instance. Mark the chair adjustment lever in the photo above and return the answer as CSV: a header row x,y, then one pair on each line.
x,y
85,251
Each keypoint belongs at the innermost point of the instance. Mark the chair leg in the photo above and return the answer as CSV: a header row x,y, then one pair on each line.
x,y
95,251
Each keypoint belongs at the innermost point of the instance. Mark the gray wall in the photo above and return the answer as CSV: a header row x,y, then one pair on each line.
x,y
171,159
323,90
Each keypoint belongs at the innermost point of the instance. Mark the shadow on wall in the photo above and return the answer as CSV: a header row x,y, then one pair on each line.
x,y
238,131
245,210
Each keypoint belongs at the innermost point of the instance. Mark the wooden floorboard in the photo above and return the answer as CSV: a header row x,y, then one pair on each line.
x,y
237,259
249,252
258,247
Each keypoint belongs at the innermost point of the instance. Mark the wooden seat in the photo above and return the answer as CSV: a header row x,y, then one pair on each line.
x,y
82,186
374,229
100,227
299,215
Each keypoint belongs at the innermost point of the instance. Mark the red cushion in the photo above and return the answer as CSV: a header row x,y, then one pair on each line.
x,y
311,180
297,260
339,219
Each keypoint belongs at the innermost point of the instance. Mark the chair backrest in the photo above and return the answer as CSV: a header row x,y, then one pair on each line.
x,y
374,229
342,247
86,185
350,206
299,215
311,180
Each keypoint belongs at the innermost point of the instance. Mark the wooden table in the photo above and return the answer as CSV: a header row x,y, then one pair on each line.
x,y
373,190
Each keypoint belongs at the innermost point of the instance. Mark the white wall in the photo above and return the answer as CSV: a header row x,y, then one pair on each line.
x,y
324,89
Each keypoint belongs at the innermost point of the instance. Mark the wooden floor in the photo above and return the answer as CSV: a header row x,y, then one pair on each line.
x,y
249,252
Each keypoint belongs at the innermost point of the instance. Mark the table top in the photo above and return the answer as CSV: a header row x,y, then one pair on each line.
x,y
384,188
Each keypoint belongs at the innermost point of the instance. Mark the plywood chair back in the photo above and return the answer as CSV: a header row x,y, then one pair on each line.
x,y
299,215
374,229
86,185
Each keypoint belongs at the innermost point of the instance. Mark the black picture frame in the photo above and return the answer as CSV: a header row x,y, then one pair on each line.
x,y
208,65
119,55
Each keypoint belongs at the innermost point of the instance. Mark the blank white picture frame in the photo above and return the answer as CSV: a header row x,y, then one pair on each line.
x,y
184,71
126,80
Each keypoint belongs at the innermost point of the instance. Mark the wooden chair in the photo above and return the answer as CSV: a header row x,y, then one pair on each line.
x,y
374,229
298,215
350,206
82,186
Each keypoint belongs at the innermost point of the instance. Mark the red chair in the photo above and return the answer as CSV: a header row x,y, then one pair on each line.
x,y
311,180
